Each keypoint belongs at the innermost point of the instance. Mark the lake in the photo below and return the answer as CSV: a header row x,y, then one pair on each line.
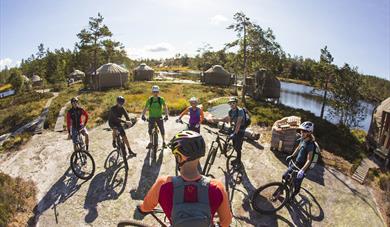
x,y
302,97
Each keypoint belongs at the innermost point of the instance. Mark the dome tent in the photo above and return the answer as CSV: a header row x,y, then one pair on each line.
x,y
36,80
109,75
263,85
143,72
76,75
217,75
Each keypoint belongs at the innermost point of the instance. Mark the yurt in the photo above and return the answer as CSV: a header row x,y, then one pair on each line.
x,y
378,135
143,72
109,75
266,85
36,81
217,75
77,75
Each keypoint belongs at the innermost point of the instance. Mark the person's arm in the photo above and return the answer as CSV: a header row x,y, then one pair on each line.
x,y
224,119
224,212
201,116
126,114
145,108
308,161
68,122
151,198
83,112
184,112
238,125
295,151
165,108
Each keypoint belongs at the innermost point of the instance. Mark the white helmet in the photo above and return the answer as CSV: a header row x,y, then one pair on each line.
x,y
307,126
155,88
193,99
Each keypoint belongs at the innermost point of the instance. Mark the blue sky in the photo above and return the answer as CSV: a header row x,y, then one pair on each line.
x,y
356,31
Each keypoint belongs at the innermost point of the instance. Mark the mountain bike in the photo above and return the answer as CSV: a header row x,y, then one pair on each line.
x,y
188,125
221,143
120,144
273,196
81,161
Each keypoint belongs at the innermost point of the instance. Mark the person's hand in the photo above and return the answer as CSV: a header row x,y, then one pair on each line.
x,y
301,174
140,211
143,117
232,135
129,123
288,158
166,118
178,120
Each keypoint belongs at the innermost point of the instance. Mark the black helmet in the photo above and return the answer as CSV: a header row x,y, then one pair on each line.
x,y
189,144
120,100
74,100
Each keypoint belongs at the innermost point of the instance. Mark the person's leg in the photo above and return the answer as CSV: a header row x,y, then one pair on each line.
x,y
74,137
297,185
114,133
150,128
124,137
237,144
288,171
160,124
86,135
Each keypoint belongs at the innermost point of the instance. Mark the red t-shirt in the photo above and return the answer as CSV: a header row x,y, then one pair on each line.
x,y
162,193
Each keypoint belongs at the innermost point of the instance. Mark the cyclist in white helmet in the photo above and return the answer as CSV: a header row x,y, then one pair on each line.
x,y
155,105
303,154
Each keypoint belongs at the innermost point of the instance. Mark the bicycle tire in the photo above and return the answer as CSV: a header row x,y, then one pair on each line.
x,y
257,197
209,161
73,159
132,223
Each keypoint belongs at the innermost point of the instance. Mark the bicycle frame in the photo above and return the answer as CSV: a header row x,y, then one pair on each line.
x,y
222,144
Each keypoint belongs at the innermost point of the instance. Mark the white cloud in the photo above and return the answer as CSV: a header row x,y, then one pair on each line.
x,y
218,19
159,47
159,50
5,62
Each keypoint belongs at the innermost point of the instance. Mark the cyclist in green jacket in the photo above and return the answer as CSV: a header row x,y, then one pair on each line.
x,y
155,105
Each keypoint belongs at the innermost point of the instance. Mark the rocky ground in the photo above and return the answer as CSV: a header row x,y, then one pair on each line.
x,y
329,198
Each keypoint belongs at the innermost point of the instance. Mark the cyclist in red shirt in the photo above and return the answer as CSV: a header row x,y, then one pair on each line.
x,y
74,122
189,199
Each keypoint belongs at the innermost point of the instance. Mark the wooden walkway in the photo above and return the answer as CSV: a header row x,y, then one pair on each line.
x,y
362,170
59,127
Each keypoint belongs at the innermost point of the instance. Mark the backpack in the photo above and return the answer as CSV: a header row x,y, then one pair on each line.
x,y
316,155
247,118
151,101
194,214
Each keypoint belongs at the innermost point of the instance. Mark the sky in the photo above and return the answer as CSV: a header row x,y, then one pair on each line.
x,y
356,31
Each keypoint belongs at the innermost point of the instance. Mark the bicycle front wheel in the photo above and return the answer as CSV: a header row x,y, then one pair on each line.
x,y
209,161
132,223
82,164
270,198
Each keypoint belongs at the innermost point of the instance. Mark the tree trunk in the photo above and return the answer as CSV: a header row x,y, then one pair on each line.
x,y
245,69
324,100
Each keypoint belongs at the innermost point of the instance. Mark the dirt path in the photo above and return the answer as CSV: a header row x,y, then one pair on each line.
x,y
329,198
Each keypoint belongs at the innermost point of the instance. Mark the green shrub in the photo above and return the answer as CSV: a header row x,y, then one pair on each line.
x,y
16,196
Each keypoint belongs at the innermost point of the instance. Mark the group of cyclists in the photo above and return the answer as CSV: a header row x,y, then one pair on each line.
x,y
189,199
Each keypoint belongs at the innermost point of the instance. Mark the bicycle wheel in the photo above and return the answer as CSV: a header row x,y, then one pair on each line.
x,y
155,145
132,223
82,164
270,198
209,161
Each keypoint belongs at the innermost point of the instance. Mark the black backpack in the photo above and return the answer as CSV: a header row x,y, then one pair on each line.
x,y
246,119
151,101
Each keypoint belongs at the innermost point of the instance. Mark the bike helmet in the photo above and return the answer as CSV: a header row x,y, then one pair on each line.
x,y
307,126
120,100
74,100
155,88
193,99
233,99
189,144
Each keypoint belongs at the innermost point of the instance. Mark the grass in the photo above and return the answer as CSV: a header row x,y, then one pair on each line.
x,y
59,102
98,103
15,142
17,200
338,140
18,110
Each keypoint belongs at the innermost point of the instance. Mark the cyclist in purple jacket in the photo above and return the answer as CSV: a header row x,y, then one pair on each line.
x,y
196,115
